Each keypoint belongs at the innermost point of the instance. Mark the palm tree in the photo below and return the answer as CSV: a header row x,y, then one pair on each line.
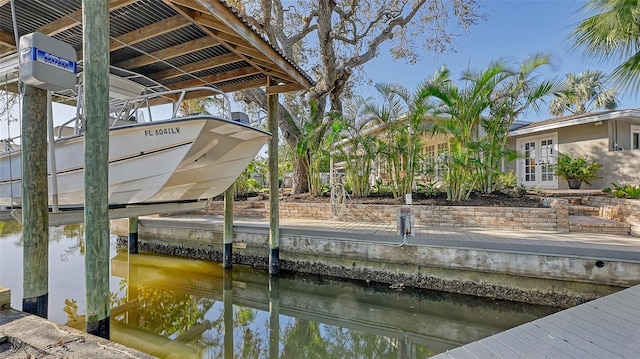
x,y
612,32
515,95
463,109
582,93
401,143
314,144
359,145
478,117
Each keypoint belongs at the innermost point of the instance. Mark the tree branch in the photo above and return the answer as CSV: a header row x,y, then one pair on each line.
x,y
290,130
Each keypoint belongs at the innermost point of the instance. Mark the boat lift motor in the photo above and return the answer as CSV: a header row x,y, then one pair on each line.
x,y
405,223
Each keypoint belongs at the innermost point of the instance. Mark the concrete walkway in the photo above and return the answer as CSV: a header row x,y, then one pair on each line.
x,y
599,246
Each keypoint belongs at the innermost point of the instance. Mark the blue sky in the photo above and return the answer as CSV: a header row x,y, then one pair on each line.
x,y
514,30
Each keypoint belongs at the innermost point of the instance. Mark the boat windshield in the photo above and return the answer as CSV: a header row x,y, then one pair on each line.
x,y
156,106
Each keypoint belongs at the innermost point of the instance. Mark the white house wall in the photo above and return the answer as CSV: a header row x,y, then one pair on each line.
x,y
593,142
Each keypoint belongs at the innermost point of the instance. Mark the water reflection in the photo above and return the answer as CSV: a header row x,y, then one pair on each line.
x,y
180,308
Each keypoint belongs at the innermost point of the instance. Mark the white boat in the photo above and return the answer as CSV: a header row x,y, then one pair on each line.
x,y
179,158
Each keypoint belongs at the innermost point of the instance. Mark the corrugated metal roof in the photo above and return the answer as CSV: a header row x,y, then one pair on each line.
x,y
143,27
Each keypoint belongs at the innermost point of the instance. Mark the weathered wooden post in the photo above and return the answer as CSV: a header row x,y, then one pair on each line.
x,y
95,20
274,317
35,216
274,185
133,291
227,298
227,236
133,235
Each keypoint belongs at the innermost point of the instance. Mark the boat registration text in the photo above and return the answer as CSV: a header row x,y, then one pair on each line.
x,y
162,131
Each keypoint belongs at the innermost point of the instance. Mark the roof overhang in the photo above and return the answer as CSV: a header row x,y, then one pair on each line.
x,y
554,124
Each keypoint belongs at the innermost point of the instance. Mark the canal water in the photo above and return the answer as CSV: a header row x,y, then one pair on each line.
x,y
182,308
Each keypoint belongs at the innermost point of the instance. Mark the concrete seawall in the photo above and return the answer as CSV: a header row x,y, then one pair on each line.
x,y
533,273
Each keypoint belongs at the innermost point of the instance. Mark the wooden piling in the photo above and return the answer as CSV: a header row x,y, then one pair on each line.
x,y
274,185
227,298
35,216
95,20
133,235
228,227
274,317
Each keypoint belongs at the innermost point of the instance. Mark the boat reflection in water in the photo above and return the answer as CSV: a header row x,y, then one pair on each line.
x,y
181,308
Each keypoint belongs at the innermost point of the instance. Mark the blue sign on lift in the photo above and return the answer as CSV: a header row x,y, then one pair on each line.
x,y
47,63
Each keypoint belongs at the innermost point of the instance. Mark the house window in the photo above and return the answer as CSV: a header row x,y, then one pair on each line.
x,y
429,154
443,147
635,137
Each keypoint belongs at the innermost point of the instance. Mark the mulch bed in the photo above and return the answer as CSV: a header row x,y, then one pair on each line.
x,y
497,199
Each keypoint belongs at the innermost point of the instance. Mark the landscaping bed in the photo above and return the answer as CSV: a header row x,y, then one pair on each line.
x,y
497,199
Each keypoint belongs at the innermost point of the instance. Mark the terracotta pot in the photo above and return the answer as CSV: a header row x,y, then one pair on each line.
x,y
574,183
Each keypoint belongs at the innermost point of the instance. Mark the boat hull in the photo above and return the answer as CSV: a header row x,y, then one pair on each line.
x,y
175,160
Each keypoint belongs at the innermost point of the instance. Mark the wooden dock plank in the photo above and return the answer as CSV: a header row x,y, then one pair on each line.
x,y
498,348
608,327
558,343
602,312
457,353
478,351
617,346
578,339
627,306
524,348
617,338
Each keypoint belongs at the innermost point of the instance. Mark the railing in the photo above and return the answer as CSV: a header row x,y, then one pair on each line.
x,y
8,144
140,109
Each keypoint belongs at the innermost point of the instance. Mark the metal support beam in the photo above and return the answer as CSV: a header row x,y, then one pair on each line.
x,y
35,216
228,227
95,19
274,185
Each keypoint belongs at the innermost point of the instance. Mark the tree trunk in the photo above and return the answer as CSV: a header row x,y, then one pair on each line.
x,y
300,176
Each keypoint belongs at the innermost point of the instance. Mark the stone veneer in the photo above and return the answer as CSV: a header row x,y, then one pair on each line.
x,y
555,218
617,209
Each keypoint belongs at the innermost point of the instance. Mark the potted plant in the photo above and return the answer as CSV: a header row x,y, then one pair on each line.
x,y
576,170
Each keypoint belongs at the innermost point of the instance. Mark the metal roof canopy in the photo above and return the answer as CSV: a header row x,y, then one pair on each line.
x,y
175,43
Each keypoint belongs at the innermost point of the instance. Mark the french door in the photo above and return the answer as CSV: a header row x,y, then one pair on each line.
x,y
536,166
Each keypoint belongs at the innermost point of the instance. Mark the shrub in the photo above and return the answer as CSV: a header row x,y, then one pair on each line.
x,y
626,191
430,189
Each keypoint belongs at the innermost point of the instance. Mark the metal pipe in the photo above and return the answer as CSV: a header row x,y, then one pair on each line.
x,y
52,156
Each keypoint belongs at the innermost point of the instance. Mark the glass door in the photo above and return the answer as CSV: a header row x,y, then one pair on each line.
x,y
536,166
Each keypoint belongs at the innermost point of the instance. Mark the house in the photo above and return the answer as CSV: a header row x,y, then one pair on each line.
x,y
611,138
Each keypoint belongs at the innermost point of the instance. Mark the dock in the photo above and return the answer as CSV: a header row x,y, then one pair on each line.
x,y
607,327
539,267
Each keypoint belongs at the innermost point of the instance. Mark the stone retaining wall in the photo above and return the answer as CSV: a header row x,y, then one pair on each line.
x,y
617,209
547,219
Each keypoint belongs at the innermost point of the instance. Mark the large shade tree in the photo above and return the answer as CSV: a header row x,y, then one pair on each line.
x,y
611,32
333,39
